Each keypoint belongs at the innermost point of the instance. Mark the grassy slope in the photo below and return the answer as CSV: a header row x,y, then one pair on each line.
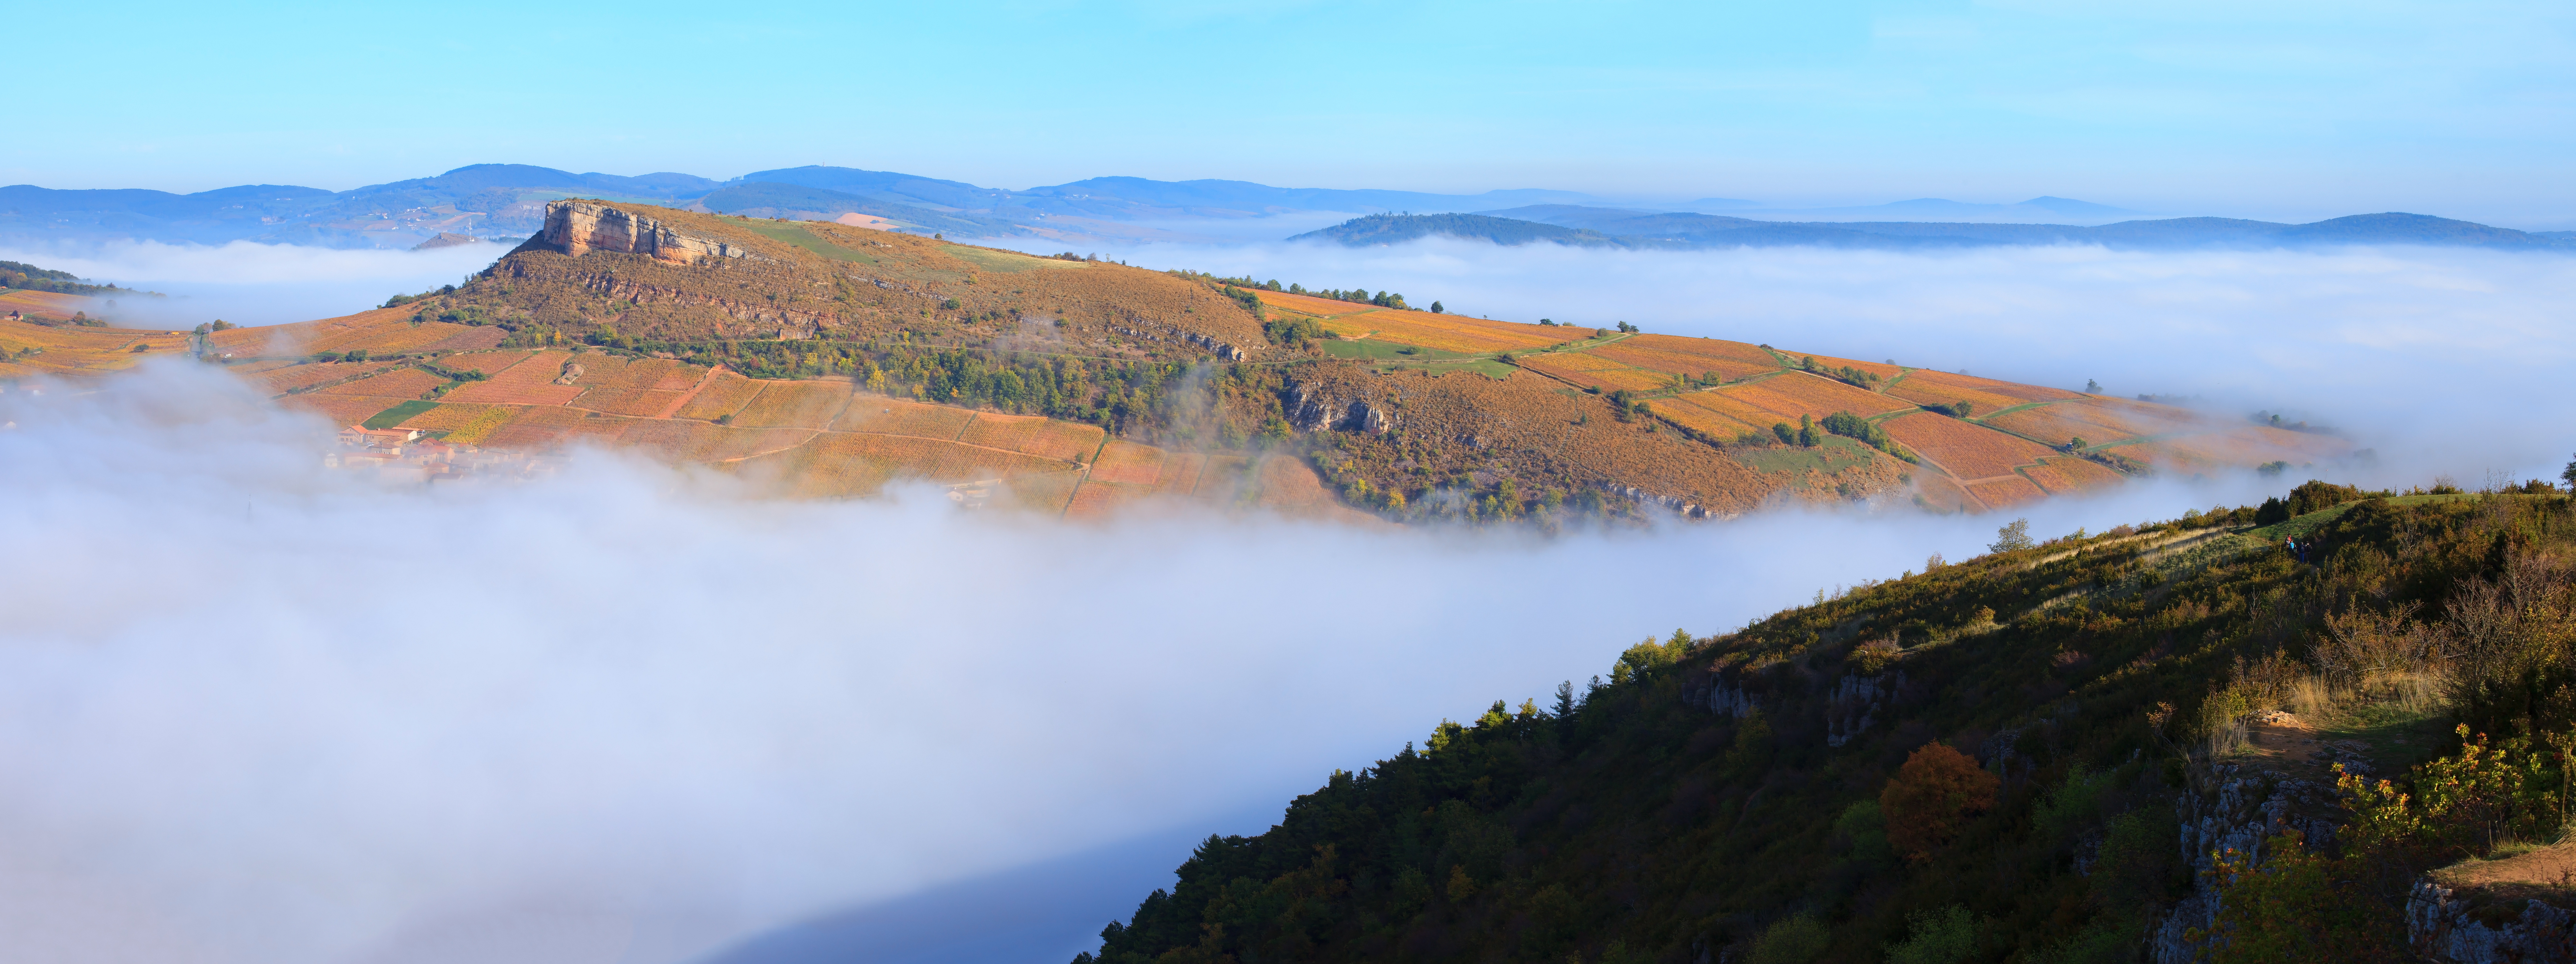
x,y
1640,826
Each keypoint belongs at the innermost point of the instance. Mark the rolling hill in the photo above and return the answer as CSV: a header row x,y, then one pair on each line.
x,y
1404,414
2173,742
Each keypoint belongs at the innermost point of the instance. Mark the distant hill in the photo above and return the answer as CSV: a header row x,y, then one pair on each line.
x,y
1631,228
1399,228
794,202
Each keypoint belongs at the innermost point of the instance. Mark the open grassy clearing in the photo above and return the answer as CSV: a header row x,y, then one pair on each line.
x,y
795,233
1009,262
1830,456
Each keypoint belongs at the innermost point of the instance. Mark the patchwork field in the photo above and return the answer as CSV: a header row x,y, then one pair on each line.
x,y
1797,393
2095,420
1962,449
1591,371
1695,357
895,416
1924,386
1710,412
1446,332
398,383
794,405
2010,490
2066,474
1034,435
723,395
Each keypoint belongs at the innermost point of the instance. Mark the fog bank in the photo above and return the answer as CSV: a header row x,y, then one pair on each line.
x,y
251,710
255,284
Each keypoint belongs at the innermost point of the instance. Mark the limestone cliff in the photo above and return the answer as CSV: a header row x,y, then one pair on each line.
x,y
580,227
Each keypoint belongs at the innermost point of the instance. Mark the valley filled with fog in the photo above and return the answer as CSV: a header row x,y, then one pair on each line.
x,y
257,711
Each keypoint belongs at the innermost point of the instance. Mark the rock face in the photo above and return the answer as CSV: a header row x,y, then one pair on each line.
x,y
1315,411
1855,702
579,227
2444,927
2231,807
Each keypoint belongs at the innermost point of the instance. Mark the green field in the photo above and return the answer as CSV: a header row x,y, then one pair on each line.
x,y
1005,262
398,414
797,235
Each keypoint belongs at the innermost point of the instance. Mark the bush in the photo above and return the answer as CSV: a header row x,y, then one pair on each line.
x,y
2300,906
1931,798
1945,936
1794,940
1864,830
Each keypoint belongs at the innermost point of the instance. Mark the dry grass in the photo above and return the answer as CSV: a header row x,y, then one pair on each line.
x,y
1962,449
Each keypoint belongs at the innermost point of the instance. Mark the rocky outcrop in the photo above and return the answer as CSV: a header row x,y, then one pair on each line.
x,y
1314,411
1687,510
2448,927
579,227
1855,703
2231,807
1222,350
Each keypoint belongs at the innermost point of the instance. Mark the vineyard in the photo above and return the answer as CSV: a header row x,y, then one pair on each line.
x,y
1964,450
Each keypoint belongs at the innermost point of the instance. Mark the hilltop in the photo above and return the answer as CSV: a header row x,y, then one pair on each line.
x,y
1404,413
2170,742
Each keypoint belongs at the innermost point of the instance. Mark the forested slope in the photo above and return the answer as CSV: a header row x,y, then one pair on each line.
x,y
1987,760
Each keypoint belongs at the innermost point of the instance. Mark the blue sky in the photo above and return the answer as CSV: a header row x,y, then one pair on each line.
x,y
2281,109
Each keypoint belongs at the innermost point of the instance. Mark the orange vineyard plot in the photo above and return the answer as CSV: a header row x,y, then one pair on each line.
x,y
45,303
398,383
283,380
724,395
879,415
1923,386
1450,332
1882,370
446,418
1047,492
1034,435
488,362
2063,475
530,382
1309,305
2095,420
1601,373
1797,393
534,427
1693,357
637,402
2011,490
1129,463
341,410
1962,449
794,405
1688,409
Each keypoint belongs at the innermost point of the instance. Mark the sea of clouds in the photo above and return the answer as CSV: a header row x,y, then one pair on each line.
x,y
253,710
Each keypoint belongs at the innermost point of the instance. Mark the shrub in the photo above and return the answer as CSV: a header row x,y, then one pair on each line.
x,y
1931,797
1945,936
1793,940
2300,906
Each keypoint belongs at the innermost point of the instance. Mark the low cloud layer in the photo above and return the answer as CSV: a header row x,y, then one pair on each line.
x,y
2445,361
255,284
251,710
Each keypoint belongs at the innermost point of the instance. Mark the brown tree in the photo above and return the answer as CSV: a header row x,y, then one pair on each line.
x,y
1931,797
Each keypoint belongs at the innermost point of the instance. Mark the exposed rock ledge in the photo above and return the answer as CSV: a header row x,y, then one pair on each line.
x,y
2448,927
579,227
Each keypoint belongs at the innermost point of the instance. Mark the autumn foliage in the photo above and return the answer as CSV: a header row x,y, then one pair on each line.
x,y
1931,797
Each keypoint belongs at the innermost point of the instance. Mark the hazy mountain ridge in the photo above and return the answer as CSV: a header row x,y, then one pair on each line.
x,y
1629,228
